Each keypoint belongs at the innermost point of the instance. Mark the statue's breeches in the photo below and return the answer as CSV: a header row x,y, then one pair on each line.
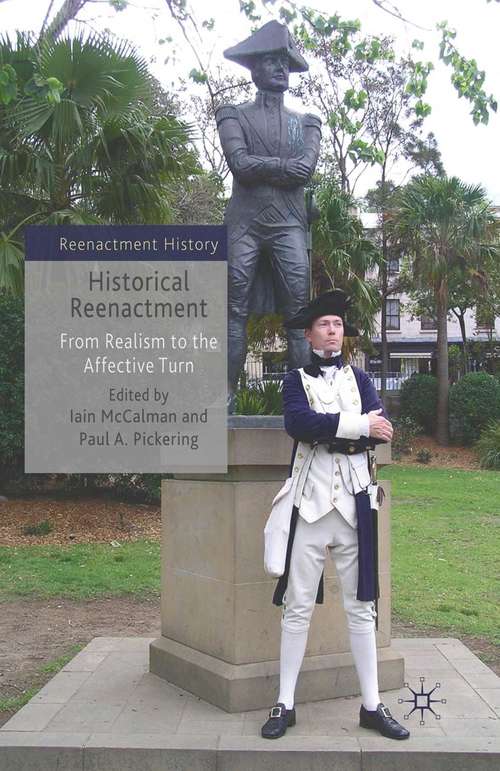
x,y
284,245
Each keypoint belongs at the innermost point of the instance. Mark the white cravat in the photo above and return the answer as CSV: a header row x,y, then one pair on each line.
x,y
329,374
321,353
330,371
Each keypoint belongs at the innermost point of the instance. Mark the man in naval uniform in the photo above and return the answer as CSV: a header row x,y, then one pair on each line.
x,y
272,153
336,410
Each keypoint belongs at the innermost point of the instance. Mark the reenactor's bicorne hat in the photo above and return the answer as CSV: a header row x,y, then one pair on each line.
x,y
333,303
270,38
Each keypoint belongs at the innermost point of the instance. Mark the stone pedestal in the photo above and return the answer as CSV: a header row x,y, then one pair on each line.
x,y
220,631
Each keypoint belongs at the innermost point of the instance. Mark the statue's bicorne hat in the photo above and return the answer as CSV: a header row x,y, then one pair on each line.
x,y
333,303
270,38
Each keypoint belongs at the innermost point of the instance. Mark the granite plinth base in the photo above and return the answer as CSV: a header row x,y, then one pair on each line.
x,y
243,687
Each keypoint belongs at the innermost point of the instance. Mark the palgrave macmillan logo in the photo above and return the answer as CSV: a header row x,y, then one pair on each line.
x,y
422,701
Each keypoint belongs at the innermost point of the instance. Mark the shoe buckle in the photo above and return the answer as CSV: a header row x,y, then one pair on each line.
x,y
385,711
275,712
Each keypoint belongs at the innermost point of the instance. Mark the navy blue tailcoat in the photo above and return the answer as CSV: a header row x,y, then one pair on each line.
x,y
306,425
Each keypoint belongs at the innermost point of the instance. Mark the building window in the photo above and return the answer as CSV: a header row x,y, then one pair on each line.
x,y
393,266
392,314
428,322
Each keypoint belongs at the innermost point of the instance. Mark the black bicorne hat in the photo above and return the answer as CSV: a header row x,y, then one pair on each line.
x,y
270,38
333,303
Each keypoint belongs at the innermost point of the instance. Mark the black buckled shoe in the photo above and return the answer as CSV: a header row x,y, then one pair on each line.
x,y
280,718
381,720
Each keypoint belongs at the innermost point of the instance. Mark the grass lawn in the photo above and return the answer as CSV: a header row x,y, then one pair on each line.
x,y
80,571
445,555
445,548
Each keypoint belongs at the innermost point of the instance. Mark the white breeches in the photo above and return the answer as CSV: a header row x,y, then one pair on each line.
x,y
311,542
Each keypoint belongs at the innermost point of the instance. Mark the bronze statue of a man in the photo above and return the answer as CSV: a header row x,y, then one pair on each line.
x,y
272,153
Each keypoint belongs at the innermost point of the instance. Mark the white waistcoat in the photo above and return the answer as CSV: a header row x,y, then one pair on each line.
x,y
332,478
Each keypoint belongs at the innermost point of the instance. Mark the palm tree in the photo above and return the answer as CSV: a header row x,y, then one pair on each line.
x,y
444,225
86,140
343,256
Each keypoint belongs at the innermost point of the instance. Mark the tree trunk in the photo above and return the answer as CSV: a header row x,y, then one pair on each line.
x,y
67,12
384,347
461,321
441,294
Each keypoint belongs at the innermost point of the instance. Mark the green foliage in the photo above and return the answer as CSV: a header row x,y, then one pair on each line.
x,y
474,401
45,89
11,385
248,8
126,487
455,355
405,430
369,99
8,84
346,254
371,50
355,101
360,150
422,110
264,331
197,76
41,528
271,393
487,354
444,224
448,229
86,140
249,402
418,400
144,487
458,361
263,399
418,81
11,263
488,446
466,77
197,200
287,16
423,455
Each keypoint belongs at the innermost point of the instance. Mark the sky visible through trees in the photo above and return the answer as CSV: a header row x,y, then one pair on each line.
x,y
468,151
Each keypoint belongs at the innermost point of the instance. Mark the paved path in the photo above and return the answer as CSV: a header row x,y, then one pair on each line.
x,y
105,711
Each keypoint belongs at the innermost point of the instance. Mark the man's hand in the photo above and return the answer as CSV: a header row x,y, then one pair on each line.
x,y
297,168
380,427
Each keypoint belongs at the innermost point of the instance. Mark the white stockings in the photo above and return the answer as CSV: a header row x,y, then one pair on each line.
x,y
364,652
